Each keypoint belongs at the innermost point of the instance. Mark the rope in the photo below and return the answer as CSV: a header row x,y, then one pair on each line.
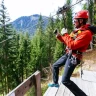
x,y
81,70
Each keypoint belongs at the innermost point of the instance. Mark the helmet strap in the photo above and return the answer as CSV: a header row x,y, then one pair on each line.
x,y
79,25
83,23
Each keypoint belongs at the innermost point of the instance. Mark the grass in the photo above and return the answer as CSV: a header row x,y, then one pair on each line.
x,y
44,87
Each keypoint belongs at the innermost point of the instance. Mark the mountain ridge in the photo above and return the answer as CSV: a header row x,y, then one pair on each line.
x,y
28,23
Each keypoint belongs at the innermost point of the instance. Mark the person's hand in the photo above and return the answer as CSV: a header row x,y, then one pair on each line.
x,y
56,32
63,31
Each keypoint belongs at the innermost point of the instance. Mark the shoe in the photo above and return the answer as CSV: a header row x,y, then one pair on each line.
x,y
53,85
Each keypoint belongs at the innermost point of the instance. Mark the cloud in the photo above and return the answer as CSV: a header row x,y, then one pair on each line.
x,y
17,8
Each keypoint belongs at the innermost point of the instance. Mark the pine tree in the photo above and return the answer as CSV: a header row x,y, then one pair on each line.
x,y
38,47
7,50
27,50
23,56
69,20
59,47
90,7
50,40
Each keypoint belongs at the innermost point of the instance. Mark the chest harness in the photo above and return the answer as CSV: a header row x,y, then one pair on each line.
x,y
74,35
76,53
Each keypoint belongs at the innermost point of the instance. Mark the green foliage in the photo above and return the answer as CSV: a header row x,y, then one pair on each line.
x,y
84,6
95,14
7,50
44,88
11,73
69,22
91,11
38,49
59,50
50,40
59,47
31,92
22,55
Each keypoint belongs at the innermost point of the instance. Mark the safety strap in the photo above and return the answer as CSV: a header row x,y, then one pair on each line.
x,y
74,35
81,70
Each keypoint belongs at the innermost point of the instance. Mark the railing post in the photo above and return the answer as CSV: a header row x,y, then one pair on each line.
x,y
37,83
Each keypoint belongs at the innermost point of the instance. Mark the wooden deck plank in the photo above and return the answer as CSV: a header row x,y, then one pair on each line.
x,y
89,75
61,90
71,94
94,86
51,91
67,92
84,87
89,79
90,89
88,85
79,83
93,91
48,91
94,73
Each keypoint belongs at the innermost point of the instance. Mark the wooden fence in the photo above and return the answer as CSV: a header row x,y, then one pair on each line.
x,y
33,80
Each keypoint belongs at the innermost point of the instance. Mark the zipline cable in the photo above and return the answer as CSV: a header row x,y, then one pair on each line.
x,y
65,8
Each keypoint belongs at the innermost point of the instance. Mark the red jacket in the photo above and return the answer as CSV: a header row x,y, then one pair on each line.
x,y
81,42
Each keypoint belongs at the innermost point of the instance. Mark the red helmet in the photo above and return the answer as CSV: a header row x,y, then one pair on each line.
x,y
82,14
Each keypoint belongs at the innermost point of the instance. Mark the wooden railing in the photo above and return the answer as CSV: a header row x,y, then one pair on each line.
x,y
21,89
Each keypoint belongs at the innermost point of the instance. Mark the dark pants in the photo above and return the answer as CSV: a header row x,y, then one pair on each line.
x,y
68,70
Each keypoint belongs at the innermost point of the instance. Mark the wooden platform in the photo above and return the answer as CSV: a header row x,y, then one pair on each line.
x,y
87,83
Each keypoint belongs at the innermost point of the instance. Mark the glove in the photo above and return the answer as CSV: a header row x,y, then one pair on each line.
x,y
63,31
56,32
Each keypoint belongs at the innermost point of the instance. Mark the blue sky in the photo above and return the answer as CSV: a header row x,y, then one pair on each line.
x,y
18,8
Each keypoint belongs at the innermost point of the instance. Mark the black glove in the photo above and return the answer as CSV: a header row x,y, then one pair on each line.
x,y
55,31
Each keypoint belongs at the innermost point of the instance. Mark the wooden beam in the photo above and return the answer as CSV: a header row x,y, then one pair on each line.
x,y
21,89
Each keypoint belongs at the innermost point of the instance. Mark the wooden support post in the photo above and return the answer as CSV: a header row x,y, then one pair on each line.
x,y
37,84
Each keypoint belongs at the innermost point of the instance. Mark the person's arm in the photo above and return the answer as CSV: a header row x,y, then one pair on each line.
x,y
83,39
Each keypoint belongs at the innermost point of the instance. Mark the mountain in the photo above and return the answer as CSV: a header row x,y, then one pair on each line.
x,y
28,23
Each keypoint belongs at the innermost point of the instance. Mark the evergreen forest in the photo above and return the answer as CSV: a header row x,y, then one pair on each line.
x,y
21,54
